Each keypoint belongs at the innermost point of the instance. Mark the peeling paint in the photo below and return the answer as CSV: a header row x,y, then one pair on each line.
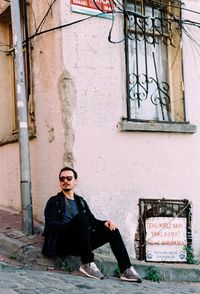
x,y
19,89
50,128
20,104
15,40
67,96
23,125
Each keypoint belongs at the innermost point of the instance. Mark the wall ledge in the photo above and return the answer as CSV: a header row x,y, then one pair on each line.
x,y
134,126
14,137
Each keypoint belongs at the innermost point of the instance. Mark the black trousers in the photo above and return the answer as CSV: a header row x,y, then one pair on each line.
x,y
79,239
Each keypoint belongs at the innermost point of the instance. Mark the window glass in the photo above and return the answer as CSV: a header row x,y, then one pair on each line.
x,y
8,111
7,108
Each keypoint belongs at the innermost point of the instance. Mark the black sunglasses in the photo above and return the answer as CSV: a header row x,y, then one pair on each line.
x,y
68,178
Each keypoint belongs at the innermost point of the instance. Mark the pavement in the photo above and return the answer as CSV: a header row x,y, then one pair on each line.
x,y
24,252
19,280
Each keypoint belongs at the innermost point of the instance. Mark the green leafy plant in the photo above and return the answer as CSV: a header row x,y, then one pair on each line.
x,y
153,275
68,268
190,255
13,257
116,273
2,265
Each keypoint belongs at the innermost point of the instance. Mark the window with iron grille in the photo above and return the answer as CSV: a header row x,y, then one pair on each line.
x,y
8,109
154,61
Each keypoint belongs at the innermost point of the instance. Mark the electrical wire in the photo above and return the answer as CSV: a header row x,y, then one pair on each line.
x,y
174,6
41,24
117,2
111,29
5,51
193,47
33,12
127,14
193,23
121,9
189,35
112,12
193,43
62,26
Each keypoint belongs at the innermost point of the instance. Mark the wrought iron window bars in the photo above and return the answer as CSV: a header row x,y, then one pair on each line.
x,y
151,27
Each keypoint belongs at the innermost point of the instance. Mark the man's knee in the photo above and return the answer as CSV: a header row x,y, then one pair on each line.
x,y
115,234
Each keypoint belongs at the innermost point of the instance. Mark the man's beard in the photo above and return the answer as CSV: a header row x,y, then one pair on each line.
x,y
66,189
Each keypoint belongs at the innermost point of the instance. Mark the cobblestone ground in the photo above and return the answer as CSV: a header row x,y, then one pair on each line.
x,y
14,279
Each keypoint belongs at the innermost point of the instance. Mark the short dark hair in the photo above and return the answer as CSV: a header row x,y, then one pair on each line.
x,y
68,168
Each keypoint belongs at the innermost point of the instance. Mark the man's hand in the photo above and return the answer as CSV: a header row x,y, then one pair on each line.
x,y
110,225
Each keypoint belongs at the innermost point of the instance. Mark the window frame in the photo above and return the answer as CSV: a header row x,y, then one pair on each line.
x,y
170,55
13,136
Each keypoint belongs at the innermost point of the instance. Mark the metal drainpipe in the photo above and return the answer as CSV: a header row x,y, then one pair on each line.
x,y
21,101
27,47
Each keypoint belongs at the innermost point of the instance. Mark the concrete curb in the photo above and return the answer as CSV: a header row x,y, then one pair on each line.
x,y
169,272
23,252
29,254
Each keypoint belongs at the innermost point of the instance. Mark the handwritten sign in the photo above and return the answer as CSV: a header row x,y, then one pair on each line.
x,y
102,8
166,239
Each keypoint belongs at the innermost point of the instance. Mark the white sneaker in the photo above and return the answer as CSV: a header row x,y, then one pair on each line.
x,y
130,275
91,270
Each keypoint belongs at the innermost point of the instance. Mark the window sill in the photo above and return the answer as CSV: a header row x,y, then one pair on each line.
x,y
133,126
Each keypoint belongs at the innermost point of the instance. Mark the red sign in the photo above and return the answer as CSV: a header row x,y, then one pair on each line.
x,y
92,7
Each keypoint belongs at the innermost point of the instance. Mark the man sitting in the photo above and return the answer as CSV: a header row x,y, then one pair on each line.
x,y
71,229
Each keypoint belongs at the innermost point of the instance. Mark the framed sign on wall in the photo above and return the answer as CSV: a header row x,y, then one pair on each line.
x,y
101,8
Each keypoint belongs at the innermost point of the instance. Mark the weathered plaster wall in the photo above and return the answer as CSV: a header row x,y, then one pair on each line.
x,y
10,178
116,169
47,150
3,5
192,75
79,93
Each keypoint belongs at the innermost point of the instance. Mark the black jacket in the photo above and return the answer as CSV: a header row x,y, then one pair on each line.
x,y
54,221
